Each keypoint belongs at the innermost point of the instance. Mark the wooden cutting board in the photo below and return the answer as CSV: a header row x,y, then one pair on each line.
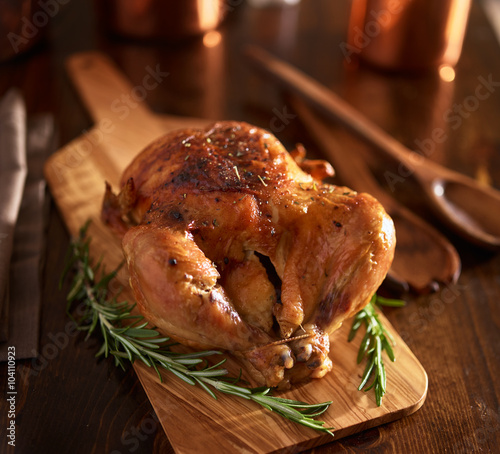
x,y
193,421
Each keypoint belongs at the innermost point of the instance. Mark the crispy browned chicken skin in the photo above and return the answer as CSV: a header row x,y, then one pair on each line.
x,y
201,210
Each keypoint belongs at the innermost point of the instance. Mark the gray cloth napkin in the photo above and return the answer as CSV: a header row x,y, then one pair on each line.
x,y
24,277
13,171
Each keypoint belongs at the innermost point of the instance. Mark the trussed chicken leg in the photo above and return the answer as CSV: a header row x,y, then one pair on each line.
x,y
176,288
199,209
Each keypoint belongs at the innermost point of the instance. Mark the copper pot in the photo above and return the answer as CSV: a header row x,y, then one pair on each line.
x,y
162,19
407,34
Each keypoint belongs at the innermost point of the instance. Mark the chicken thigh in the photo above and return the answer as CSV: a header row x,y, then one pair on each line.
x,y
231,245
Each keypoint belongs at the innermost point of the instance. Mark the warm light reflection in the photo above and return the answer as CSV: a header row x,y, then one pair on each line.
x,y
447,73
438,189
212,38
483,174
208,13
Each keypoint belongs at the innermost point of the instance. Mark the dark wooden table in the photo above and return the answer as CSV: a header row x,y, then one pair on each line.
x,y
70,403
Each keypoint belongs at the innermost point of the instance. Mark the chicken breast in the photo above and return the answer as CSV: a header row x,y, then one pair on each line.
x,y
231,245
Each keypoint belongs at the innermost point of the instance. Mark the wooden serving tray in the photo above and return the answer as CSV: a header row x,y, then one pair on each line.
x,y
193,421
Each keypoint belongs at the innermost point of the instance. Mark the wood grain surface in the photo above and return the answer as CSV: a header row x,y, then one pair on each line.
x,y
76,176
68,402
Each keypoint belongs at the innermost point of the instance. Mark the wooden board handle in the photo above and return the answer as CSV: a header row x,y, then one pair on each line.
x,y
105,91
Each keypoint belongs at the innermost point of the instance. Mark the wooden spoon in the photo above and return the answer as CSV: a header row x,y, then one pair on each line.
x,y
424,258
471,209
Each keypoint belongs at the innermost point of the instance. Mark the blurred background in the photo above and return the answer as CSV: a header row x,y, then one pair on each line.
x,y
413,67
200,45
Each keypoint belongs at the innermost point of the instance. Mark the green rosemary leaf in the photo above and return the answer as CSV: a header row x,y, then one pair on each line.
x,y
215,366
262,390
156,369
388,349
364,346
376,340
160,357
307,408
381,301
89,273
145,360
369,387
139,332
295,403
93,325
119,362
107,278
313,414
156,340
77,286
383,380
277,406
379,361
367,373
228,388
205,388
208,373
138,325
148,344
314,424
101,351
190,362
130,343
266,406
358,321
183,377
388,335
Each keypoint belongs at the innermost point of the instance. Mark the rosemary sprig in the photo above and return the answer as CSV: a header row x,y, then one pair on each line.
x,y
127,338
376,340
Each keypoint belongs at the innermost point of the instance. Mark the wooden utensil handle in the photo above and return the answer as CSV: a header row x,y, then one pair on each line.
x,y
105,91
329,103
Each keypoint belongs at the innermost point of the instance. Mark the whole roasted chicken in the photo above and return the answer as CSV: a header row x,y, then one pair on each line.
x,y
231,245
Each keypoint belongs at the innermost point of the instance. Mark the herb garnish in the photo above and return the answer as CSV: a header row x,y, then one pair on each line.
x,y
127,338
376,340
237,173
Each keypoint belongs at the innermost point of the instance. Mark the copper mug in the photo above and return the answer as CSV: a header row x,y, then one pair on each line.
x,y
407,35
162,19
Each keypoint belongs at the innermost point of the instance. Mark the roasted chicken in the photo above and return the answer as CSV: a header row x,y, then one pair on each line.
x,y
231,245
